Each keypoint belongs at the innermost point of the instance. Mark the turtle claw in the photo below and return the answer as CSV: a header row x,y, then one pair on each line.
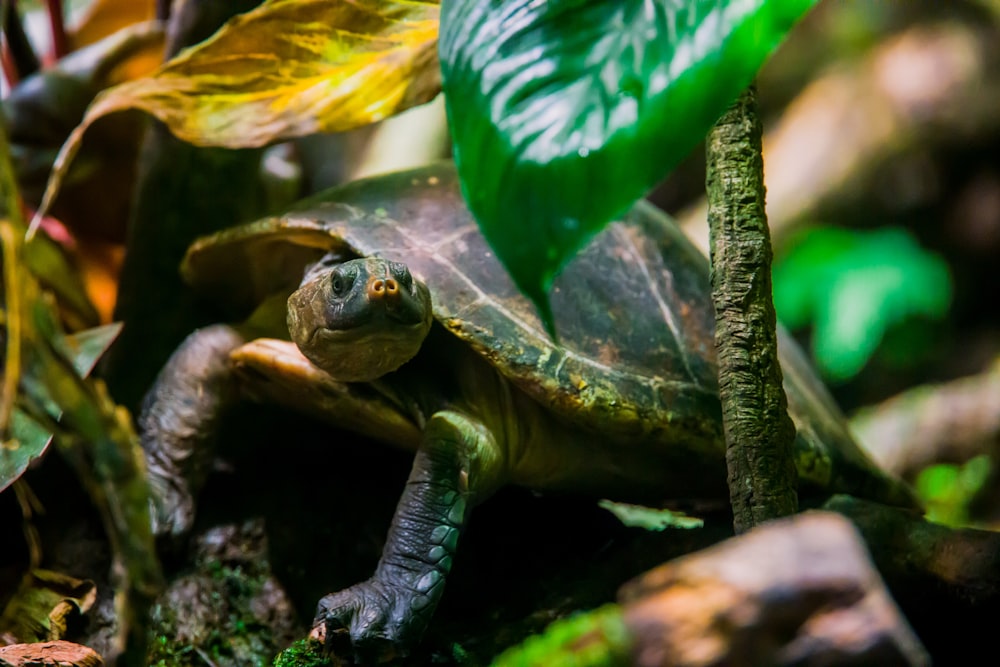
x,y
171,510
365,622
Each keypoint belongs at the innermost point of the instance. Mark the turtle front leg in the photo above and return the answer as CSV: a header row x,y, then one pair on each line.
x,y
178,424
457,464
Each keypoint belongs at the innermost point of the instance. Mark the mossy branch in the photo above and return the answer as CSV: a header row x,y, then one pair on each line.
x,y
759,432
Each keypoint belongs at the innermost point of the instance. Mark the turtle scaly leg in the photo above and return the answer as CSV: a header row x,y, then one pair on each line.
x,y
178,423
458,463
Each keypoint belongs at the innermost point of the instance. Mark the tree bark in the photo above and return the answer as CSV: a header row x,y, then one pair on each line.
x,y
759,432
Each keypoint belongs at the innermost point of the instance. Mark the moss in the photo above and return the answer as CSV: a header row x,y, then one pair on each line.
x,y
165,653
207,617
303,653
598,638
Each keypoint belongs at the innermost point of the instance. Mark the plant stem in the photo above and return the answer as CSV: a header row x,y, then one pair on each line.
x,y
759,432
60,44
11,263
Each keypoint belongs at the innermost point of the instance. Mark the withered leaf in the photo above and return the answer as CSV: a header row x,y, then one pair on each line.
x,y
286,69
57,653
289,68
105,17
39,609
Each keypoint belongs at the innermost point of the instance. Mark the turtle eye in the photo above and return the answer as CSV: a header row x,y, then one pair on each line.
x,y
341,282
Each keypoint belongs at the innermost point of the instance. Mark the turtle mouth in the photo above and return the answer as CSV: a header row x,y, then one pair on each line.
x,y
374,317
363,353
374,332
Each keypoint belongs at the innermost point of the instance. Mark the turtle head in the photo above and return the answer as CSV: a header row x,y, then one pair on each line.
x,y
360,319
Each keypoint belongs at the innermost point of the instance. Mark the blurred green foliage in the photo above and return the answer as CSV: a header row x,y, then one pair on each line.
x,y
947,489
853,287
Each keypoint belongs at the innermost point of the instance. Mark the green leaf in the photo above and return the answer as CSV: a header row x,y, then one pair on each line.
x,y
563,113
88,346
49,260
96,436
639,516
852,287
29,439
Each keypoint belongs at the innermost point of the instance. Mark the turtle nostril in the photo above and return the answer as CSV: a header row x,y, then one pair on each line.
x,y
383,288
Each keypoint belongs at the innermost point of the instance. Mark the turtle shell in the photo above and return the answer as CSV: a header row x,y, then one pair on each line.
x,y
635,354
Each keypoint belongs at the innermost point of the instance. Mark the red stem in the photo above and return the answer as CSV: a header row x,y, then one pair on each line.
x,y
7,65
19,58
60,44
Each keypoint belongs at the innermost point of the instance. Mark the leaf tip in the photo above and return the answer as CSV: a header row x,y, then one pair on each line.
x,y
544,307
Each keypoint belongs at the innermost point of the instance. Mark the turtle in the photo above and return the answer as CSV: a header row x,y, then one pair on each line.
x,y
380,306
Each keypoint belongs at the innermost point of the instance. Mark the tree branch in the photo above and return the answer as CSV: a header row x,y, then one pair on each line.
x,y
759,432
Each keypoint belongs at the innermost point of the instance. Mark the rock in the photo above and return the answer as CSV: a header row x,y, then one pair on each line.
x,y
800,591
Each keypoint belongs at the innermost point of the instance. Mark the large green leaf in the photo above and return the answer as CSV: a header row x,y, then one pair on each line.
x,y
565,112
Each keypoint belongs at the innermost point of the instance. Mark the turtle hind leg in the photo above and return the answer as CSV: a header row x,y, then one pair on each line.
x,y
179,421
458,463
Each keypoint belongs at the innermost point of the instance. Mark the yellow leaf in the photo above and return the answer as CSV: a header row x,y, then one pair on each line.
x,y
104,17
290,68
286,69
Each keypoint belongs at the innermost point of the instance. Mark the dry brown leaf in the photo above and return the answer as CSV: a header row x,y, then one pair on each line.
x,y
43,603
56,654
